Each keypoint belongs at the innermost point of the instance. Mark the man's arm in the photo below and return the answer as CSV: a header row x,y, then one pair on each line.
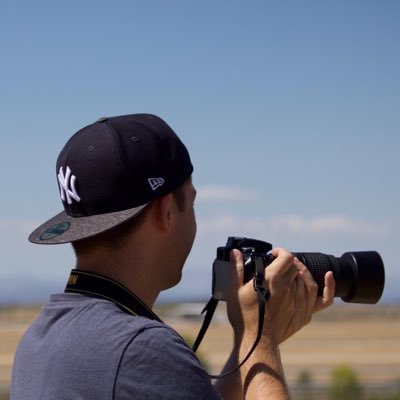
x,y
293,299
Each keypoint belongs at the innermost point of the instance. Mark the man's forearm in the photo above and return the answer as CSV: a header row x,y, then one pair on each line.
x,y
259,378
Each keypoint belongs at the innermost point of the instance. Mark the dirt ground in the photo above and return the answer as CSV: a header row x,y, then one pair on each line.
x,y
365,337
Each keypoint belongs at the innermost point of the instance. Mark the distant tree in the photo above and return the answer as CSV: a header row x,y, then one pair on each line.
x,y
345,384
305,385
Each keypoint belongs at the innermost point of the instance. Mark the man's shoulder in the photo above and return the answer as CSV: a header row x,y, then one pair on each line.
x,y
114,351
73,327
89,313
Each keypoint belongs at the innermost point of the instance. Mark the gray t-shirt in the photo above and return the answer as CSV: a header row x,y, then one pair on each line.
x,y
86,348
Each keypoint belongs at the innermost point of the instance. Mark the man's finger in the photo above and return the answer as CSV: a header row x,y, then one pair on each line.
x,y
283,260
328,293
310,285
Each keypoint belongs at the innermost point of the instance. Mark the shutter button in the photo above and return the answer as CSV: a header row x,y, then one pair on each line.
x,y
102,119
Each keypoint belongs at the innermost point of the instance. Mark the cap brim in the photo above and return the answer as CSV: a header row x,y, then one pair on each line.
x,y
64,229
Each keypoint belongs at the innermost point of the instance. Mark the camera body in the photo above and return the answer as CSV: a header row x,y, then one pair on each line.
x,y
359,276
251,248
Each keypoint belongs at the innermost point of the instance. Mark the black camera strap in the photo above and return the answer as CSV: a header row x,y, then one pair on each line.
x,y
262,297
99,286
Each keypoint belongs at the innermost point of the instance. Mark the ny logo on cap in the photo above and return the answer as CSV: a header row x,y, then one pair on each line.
x,y
155,182
67,186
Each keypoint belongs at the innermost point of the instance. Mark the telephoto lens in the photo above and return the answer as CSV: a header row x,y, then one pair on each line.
x,y
359,275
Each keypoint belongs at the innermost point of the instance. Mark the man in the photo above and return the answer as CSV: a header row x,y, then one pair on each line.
x,y
125,183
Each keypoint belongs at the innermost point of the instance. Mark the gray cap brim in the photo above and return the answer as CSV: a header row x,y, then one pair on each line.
x,y
65,229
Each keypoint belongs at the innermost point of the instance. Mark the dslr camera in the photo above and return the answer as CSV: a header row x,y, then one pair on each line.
x,y
359,275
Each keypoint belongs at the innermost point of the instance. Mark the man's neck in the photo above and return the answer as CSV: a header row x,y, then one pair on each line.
x,y
97,285
135,283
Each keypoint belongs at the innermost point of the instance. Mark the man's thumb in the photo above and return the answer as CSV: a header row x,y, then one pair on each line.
x,y
237,270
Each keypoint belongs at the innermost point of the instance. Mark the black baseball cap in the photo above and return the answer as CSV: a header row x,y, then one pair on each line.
x,y
109,171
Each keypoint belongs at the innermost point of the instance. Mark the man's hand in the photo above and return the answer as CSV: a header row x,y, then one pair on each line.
x,y
296,292
293,297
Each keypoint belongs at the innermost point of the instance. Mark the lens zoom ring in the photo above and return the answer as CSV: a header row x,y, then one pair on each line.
x,y
318,264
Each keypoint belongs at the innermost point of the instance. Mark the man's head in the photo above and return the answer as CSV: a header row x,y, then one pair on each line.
x,y
109,171
154,244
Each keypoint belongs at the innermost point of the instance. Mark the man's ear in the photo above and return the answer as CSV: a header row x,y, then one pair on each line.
x,y
163,211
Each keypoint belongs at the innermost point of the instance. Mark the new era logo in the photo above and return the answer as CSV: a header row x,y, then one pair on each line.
x,y
155,182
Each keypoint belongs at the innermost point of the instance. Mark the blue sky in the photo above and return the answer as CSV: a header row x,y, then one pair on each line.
x,y
290,111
